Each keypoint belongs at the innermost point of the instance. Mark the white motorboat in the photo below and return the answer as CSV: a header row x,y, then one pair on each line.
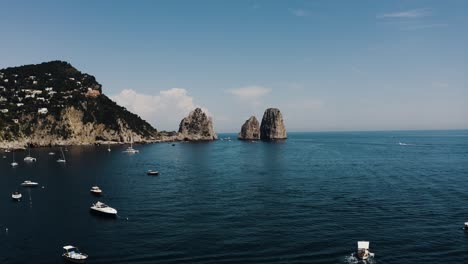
x,y
103,208
7,150
108,148
363,250
465,226
51,153
16,196
62,160
29,158
152,172
29,184
74,255
96,190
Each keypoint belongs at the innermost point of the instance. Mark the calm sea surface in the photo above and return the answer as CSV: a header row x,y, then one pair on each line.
x,y
306,200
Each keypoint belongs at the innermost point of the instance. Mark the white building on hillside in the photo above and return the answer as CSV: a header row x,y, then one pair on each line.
x,y
42,111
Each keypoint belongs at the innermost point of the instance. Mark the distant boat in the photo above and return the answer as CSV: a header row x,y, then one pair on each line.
x,y
7,151
51,153
28,158
465,226
152,172
130,149
96,190
74,255
29,184
108,148
16,196
62,160
104,209
363,250
14,163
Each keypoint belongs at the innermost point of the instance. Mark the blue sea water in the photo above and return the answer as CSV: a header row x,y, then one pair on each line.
x,y
306,200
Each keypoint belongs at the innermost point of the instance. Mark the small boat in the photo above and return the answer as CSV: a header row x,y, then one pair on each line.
x,y
96,190
363,250
51,153
130,149
152,172
62,160
16,196
104,209
28,158
7,151
29,184
14,163
74,255
465,226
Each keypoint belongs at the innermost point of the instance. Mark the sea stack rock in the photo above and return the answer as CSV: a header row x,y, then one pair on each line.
x,y
250,130
272,127
197,126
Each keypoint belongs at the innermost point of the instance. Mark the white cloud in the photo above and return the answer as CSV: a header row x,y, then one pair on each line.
x,y
249,93
415,13
164,110
299,12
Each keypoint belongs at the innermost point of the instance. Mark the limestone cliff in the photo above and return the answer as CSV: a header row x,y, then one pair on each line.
x,y
54,103
250,130
272,127
197,126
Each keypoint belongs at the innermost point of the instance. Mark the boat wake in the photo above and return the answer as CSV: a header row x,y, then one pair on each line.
x,y
351,259
405,144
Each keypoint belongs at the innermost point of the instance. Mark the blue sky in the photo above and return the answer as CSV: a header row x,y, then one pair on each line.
x,y
328,65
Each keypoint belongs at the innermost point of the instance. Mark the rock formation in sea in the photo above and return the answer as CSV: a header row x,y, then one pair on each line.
x,y
250,129
53,104
197,126
272,127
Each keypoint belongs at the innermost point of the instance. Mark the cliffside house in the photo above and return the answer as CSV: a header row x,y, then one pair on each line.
x,y
42,111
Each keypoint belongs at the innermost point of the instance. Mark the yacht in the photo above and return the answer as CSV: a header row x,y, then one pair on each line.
x,y
152,172
29,184
62,160
28,158
14,163
104,209
130,149
74,255
363,250
96,190
16,196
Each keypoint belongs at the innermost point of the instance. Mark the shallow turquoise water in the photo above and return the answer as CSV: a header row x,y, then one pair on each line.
x,y
306,200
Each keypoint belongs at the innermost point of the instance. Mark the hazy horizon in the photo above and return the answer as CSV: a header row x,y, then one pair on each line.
x,y
327,65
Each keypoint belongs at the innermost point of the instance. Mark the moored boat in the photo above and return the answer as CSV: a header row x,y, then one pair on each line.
x,y
29,158
29,184
152,172
96,190
73,254
16,196
62,160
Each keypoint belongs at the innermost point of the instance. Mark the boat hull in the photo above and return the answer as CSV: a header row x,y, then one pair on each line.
x,y
104,213
72,260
